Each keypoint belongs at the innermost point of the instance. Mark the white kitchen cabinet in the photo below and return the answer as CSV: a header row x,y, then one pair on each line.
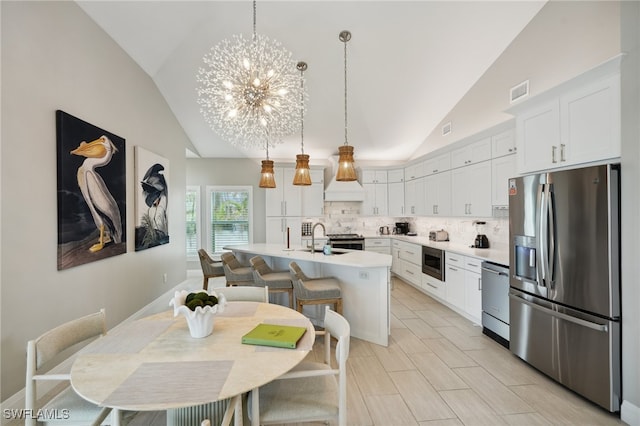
x,y
438,194
414,197
503,143
375,199
396,199
438,164
276,232
575,123
464,285
471,190
378,245
473,288
502,169
590,122
374,176
470,154
414,171
395,257
286,198
455,281
409,262
434,286
395,176
313,195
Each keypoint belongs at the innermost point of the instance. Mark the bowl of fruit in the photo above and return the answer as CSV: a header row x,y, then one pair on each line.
x,y
199,308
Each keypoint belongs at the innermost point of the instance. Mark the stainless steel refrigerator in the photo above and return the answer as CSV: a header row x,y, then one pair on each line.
x,y
564,296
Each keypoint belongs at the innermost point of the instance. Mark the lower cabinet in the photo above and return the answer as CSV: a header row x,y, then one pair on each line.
x,y
379,245
433,286
464,285
407,262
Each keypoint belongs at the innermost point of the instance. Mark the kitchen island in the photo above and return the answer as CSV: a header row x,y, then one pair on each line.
x,y
364,282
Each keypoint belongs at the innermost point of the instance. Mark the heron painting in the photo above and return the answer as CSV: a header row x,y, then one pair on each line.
x,y
152,175
91,192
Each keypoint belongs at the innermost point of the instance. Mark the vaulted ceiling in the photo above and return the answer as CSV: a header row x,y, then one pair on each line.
x,y
409,63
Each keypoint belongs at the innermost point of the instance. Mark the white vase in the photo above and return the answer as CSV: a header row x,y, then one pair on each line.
x,y
200,320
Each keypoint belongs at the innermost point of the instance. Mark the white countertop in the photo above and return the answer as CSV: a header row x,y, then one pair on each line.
x,y
490,254
354,258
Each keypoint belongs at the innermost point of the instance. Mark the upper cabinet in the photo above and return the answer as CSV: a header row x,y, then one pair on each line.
x,y
577,122
414,171
395,192
374,183
503,143
286,198
313,195
438,164
471,154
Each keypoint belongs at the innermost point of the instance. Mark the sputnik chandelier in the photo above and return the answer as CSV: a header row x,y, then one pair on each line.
x,y
248,89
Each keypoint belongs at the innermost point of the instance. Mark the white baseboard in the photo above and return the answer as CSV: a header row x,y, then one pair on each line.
x,y
629,413
16,401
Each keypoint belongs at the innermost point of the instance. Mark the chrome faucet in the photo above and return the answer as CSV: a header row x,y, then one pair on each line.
x,y
313,235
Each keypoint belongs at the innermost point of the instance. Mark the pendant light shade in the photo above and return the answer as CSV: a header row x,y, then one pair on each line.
x,y
267,178
302,176
346,166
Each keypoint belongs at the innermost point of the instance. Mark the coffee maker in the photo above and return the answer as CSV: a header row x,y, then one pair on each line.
x,y
401,228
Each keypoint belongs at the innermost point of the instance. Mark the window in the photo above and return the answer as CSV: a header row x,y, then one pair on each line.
x,y
193,220
229,213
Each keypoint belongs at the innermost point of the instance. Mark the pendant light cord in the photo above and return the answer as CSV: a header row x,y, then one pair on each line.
x,y
254,21
345,92
301,112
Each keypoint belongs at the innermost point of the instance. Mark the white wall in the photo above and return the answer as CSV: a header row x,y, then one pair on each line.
x,y
55,57
630,253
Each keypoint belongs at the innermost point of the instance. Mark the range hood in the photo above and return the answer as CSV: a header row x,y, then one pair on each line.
x,y
342,191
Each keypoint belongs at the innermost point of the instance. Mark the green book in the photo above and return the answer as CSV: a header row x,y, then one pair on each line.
x,y
281,336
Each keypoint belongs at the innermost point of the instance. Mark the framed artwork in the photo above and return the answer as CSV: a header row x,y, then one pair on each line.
x,y
152,175
91,168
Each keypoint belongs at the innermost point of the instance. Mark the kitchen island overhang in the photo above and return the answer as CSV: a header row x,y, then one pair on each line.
x,y
364,278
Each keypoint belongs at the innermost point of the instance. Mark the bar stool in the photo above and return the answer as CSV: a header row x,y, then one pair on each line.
x,y
210,268
234,271
315,291
277,281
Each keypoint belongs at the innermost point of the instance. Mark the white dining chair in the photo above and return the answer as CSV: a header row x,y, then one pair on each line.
x,y
244,293
69,407
311,391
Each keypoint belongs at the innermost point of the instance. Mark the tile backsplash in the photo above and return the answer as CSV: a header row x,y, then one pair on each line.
x,y
344,217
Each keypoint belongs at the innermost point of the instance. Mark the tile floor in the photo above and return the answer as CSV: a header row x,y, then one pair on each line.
x,y
439,369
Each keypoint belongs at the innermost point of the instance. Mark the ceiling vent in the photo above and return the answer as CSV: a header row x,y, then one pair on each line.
x,y
519,91
446,129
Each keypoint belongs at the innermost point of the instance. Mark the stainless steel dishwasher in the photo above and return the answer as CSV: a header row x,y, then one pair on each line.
x,y
495,302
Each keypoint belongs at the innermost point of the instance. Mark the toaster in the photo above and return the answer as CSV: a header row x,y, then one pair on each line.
x,y
440,235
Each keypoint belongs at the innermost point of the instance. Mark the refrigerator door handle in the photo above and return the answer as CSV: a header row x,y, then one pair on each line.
x,y
551,254
542,232
592,325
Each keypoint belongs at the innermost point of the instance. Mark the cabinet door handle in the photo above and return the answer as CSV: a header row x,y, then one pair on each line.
x,y
479,283
453,269
553,154
562,152
431,285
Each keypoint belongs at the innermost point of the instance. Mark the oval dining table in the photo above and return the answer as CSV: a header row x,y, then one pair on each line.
x,y
154,364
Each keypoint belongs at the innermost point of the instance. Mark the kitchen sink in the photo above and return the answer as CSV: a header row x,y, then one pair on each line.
x,y
334,251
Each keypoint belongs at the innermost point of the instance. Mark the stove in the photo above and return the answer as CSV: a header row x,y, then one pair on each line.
x,y
346,241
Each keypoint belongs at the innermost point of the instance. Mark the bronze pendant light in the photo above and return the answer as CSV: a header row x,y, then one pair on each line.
x,y
346,166
302,175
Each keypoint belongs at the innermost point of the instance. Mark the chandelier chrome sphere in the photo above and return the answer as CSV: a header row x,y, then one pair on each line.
x,y
249,88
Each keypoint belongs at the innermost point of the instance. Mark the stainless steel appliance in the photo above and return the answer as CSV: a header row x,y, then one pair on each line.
x,y
495,302
346,241
401,228
565,278
433,262
440,235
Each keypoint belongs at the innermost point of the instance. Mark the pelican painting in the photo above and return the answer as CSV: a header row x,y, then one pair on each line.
x,y
92,185
102,205
152,227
